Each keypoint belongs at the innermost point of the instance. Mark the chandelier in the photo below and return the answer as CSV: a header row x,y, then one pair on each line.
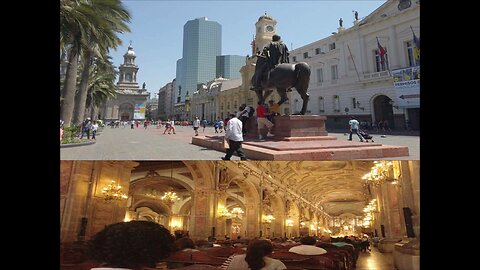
x,y
267,218
237,212
289,223
380,172
369,210
170,197
223,212
113,192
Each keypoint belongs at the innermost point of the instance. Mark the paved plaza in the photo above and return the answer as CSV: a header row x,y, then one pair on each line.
x,y
152,144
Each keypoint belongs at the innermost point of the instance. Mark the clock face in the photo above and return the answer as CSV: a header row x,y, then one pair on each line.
x,y
269,28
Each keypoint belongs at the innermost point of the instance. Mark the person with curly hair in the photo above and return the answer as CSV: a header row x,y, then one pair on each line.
x,y
256,258
130,245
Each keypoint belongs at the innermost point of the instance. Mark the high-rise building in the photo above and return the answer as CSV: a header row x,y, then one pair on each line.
x,y
228,66
202,43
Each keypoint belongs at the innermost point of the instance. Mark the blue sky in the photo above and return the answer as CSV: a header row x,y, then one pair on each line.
x,y
157,28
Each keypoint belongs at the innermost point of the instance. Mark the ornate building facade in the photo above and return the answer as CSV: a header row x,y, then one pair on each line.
x,y
350,76
130,102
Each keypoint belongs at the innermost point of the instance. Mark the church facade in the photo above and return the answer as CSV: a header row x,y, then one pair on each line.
x,y
130,101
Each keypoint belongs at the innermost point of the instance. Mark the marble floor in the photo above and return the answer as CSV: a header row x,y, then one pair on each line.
x,y
375,260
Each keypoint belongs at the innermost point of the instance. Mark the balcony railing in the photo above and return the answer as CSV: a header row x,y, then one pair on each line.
x,y
382,75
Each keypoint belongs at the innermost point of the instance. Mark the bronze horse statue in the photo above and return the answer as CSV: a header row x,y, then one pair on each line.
x,y
283,77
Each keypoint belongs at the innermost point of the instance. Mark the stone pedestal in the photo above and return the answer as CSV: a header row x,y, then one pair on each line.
x,y
406,254
387,244
300,126
301,137
288,126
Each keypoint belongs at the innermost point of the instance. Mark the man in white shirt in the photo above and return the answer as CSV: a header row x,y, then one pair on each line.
x,y
233,133
308,247
354,128
196,125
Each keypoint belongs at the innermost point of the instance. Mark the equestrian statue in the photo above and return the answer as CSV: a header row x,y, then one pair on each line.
x,y
273,71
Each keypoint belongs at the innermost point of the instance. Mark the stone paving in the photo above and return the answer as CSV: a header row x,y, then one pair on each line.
x,y
151,144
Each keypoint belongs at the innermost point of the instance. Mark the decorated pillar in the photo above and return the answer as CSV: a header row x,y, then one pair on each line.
x,y
86,209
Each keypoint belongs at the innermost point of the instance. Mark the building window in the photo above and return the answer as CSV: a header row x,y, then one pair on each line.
x,y
305,55
331,46
294,59
379,66
354,102
410,54
128,77
235,104
336,103
317,51
334,72
228,105
320,75
321,104
221,106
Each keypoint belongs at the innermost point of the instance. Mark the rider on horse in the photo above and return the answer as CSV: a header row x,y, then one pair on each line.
x,y
275,53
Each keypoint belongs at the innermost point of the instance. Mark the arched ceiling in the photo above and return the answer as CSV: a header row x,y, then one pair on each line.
x,y
335,187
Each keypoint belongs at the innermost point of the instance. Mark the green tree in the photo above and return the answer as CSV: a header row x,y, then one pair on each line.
x,y
110,18
101,85
86,24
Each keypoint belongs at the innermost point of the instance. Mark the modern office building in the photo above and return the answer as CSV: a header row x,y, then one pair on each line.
x,y
228,66
202,43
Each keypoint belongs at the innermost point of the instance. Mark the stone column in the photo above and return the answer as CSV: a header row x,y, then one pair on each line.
x,y
85,211
406,254
391,218
393,58
221,221
252,220
202,213
363,54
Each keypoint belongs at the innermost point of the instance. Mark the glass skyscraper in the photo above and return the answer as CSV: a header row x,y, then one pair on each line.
x,y
228,66
202,43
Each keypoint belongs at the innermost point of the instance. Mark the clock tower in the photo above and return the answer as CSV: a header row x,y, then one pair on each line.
x,y
266,28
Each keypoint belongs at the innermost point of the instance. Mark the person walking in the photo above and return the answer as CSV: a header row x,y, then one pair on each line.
x,y
233,134
354,128
94,129
196,125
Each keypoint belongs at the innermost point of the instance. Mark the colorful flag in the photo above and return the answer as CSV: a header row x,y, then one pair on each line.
x,y
381,51
416,50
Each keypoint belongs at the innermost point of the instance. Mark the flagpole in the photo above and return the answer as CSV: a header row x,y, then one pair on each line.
x,y
382,57
354,65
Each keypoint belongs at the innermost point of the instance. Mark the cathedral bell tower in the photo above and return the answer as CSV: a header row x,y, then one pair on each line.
x,y
266,28
127,79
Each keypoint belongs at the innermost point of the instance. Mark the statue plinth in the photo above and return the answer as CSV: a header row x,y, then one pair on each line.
x,y
299,126
340,29
301,137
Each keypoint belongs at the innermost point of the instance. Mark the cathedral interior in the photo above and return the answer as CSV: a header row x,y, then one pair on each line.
x,y
225,200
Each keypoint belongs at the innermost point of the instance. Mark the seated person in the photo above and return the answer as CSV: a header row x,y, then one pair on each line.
x,y
185,244
307,247
146,243
256,258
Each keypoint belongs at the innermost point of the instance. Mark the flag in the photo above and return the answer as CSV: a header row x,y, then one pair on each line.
x,y
381,51
416,50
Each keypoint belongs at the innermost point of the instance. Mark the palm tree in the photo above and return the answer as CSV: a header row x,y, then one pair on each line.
x,y
110,18
81,22
73,22
101,85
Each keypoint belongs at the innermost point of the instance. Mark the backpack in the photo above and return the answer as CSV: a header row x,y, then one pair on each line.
x,y
251,111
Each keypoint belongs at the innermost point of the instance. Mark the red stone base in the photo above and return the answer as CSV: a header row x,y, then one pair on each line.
x,y
302,137
323,149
